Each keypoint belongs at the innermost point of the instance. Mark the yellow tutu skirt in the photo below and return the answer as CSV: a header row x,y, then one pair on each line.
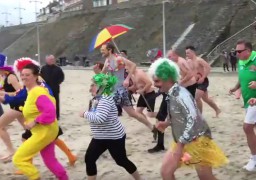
x,y
203,152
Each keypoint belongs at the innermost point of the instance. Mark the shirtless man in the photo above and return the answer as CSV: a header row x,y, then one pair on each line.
x,y
201,69
116,65
188,79
143,86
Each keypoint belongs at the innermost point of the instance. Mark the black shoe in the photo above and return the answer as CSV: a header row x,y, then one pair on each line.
x,y
156,149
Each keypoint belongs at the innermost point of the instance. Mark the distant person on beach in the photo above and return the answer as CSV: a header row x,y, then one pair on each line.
x,y
233,59
225,60
154,54
53,76
201,70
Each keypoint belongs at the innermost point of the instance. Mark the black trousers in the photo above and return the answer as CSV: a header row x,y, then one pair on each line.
x,y
233,66
57,98
116,149
161,116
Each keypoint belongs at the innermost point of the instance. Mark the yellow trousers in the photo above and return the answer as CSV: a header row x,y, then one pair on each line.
x,y
42,137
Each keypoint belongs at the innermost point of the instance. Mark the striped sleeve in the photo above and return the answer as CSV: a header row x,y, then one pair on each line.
x,y
101,113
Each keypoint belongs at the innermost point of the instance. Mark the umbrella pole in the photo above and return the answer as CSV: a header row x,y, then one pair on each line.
x,y
115,45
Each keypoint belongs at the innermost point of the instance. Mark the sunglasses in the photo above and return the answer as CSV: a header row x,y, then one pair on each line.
x,y
240,51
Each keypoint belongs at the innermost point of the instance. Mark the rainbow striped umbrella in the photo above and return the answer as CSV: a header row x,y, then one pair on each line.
x,y
107,34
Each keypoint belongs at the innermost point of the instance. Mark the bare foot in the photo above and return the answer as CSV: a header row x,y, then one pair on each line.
x,y
7,158
217,113
72,160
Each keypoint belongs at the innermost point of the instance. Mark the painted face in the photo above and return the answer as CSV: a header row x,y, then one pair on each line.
x,y
28,78
104,51
190,54
241,52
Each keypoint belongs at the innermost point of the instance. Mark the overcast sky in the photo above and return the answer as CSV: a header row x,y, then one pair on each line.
x,y
28,14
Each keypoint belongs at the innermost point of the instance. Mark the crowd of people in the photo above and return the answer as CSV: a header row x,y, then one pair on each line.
x,y
182,83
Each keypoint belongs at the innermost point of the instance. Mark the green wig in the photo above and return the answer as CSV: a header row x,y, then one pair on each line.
x,y
106,83
165,69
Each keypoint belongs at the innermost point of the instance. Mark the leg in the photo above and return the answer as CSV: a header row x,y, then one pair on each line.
x,y
7,141
211,103
94,150
161,116
120,111
141,105
8,117
61,144
26,135
227,66
25,153
251,137
1,110
118,153
56,96
199,95
249,124
52,163
224,67
170,165
205,173
142,118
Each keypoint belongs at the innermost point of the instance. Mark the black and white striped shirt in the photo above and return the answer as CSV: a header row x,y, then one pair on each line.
x,y
104,120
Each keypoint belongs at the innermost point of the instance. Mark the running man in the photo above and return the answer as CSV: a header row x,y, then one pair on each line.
x,y
143,86
247,83
201,70
188,79
116,65
193,145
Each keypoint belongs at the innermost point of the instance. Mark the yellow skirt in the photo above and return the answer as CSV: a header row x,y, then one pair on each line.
x,y
203,152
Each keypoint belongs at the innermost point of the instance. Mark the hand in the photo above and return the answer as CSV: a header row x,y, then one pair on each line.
x,y
81,114
231,91
162,125
2,99
140,91
2,93
30,125
126,83
200,80
252,101
252,85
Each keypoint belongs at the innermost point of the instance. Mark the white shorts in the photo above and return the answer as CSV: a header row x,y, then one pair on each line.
x,y
250,116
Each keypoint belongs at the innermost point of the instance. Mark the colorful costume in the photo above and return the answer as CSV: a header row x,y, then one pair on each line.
x,y
188,126
39,107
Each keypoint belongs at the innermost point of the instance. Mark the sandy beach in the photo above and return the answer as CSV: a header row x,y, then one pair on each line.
x,y
227,132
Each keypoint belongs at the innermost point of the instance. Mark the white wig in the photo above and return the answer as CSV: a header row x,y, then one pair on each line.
x,y
165,69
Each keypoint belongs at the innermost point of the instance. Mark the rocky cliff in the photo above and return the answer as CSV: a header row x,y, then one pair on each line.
x,y
71,34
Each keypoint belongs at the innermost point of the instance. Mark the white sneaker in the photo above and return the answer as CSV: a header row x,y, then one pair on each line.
x,y
251,165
